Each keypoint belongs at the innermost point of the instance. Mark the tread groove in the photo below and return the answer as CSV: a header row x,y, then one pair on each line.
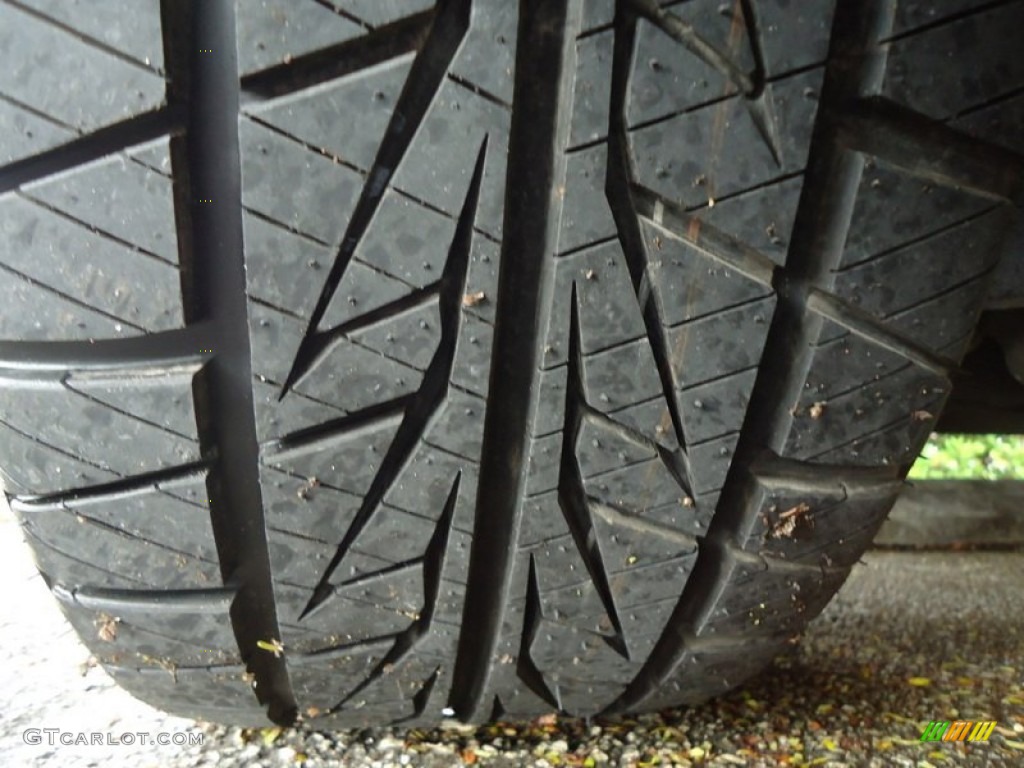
x,y
430,397
112,491
620,197
931,150
140,129
822,220
53,360
525,281
214,288
425,78
384,43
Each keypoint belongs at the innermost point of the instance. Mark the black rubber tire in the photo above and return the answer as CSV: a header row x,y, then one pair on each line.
x,y
494,358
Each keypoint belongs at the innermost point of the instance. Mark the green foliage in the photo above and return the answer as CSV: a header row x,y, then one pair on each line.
x,y
987,457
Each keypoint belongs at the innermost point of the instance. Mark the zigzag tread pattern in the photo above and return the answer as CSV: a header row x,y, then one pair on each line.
x,y
551,356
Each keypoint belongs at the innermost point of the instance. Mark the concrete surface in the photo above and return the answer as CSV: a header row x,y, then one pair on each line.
x,y
912,637
942,513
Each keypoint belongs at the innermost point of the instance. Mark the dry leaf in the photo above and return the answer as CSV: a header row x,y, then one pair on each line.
x,y
107,631
473,299
816,410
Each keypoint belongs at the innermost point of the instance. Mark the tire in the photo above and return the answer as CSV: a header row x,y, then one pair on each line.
x,y
494,358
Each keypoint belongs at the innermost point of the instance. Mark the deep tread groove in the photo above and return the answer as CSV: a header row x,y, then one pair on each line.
x,y
526,668
618,190
112,491
117,602
912,142
281,448
53,360
819,232
335,62
572,498
523,284
427,74
435,381
215,287
433,560
106,141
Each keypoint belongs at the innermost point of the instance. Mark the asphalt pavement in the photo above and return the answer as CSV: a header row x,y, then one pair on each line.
x,y
912,637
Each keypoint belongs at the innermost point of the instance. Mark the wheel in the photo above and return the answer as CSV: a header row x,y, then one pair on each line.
x,y
380,362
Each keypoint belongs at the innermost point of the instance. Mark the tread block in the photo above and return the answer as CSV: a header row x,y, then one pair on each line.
x,y
344,668
621,376
64,257
276,418
710,671
998,123
652,419
58,74
119,196
591,95
792,37
819,526
122,551
395,536
670,155
762,218
635,488
270,32
296,506
719,344
855,365
407,240
360,291
410,337
602,446
922,270
914,63
378,12
155,639
340,620
586,217
321,193
425,480
130,26
434,169
70,431
346,461
26,133
487,58
881,221
717,408
163,399
668,79
285,268
691,518
687,285
759,598
222,690
609,314
363,102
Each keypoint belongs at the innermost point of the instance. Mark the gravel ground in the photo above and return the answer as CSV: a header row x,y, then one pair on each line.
x,y
912,637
